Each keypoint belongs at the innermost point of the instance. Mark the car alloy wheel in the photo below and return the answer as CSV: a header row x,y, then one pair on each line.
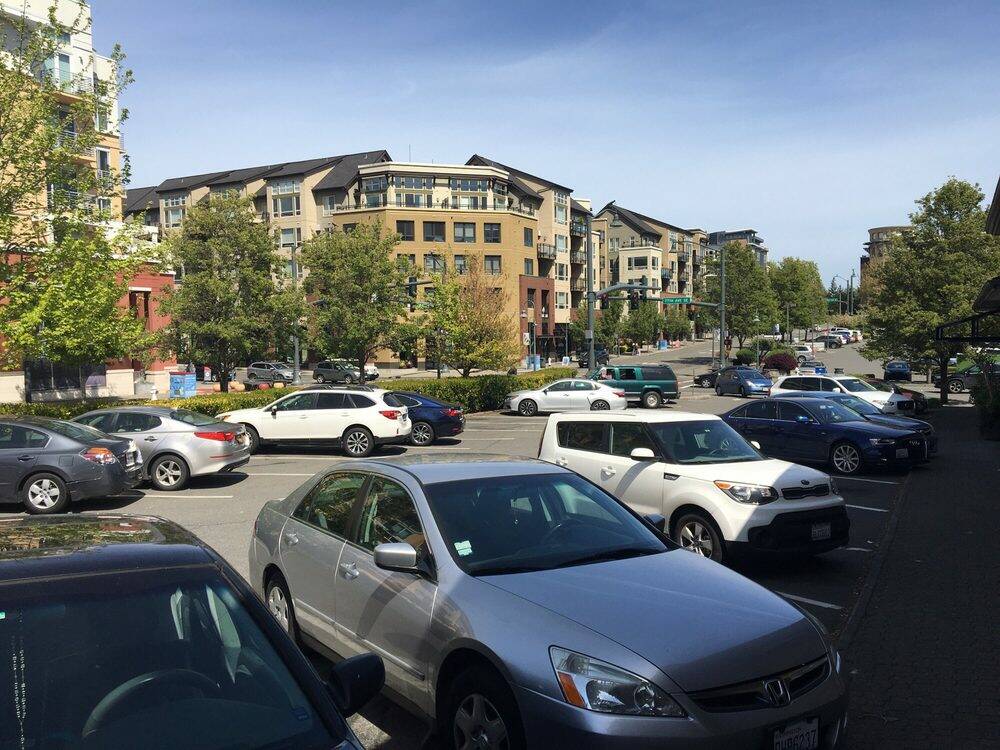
x,y
955,386
600,405
527,408
277,604
652,400
358,442
846,459
479,726
169,473
695,537
422,433
45,494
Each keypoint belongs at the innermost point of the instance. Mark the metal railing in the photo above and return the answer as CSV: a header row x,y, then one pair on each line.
x,y
579,228
59,198
546,251
578,285
683,256
81,83
577,256
443,205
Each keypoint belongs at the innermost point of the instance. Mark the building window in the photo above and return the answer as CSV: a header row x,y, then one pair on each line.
x,y
469,185
460,265
561,203
491,233
433,231
175,200
174,217
374,184
433,263
290,239
374,200
348,228
529,267
419,183
562,271
102,118
406,262
286,205
413,200
491,264
562,301
531,298
286,187
560,243
529,237
405,230
465,232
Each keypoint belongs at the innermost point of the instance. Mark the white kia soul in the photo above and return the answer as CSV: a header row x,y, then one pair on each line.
x,y
715,490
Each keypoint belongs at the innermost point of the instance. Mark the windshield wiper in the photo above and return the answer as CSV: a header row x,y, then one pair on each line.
x,y
497,570
620,553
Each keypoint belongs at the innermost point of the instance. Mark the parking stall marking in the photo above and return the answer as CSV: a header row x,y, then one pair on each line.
x,y
805,600
864,479
168,495
856,549
865,507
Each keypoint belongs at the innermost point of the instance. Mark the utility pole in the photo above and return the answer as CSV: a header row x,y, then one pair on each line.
x,y
296,378
722,307
788,328
591,299
850,294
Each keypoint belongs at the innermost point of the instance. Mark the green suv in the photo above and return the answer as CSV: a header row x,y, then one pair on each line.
x,y
651,385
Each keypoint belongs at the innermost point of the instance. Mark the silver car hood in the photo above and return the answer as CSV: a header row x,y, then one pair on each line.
x,y
701,624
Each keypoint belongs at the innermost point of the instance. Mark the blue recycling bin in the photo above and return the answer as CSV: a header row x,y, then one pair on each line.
x,y
183,385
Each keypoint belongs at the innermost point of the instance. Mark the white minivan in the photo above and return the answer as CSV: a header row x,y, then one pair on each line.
x,y
887,402
716,492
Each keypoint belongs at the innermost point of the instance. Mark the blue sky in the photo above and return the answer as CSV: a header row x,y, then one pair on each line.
x,y
809,122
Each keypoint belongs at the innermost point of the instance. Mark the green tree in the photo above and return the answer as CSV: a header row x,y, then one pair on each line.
x,y
46,137
65,302
643,325
609,324
676,323
750,303
799,293
468,314
359,291
233,304
931,276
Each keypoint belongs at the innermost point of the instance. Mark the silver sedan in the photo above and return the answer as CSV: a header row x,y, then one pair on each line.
x,y
570,394
176,444
515,604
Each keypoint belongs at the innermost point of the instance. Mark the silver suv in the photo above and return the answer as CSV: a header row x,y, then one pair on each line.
x,y
176,444
518,605
270,372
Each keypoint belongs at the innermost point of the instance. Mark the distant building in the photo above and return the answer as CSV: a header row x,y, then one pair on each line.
x,y
746,237
879,243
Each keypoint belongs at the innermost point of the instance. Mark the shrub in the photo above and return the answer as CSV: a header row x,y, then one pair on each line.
x,y
763,345
745,357
480,393
781,361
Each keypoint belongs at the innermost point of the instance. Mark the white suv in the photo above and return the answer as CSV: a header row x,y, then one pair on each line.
x,y
356,418
715,491
887,402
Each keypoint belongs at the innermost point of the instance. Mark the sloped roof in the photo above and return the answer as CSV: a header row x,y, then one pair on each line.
x,y
638,222
244,175
347,169
484,161
188,183
575,206
139,199
993,217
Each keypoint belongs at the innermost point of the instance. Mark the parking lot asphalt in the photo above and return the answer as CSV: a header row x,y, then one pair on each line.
x,y
221,510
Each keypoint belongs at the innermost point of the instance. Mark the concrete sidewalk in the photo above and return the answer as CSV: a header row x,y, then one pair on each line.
x,y
924,653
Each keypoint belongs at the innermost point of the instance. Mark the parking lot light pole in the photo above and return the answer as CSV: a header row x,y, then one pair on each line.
x,y
296,365
722,307
591,297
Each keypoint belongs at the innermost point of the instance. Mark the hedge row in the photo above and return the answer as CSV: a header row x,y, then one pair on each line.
x,y
481,393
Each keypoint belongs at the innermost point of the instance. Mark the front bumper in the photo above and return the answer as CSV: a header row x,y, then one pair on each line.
x,y
917,450
553,723
793,531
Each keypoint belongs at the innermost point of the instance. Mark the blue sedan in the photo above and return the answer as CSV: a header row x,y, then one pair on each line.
x,y
742,381
813,430
431,418
873,414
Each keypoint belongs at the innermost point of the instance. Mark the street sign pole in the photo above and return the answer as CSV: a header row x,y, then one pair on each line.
x,y
722,307
591,301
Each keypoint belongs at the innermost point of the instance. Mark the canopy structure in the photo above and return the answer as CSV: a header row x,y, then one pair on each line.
x,y
981,328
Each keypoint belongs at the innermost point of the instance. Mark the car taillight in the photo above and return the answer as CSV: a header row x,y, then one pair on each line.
x,y
390,413
620,394
224,437
452,412
99,456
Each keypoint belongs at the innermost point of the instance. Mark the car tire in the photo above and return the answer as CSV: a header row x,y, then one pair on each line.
x,y
743,392
955,386
358,442
600,405
169,473
253,438
422,434
652,400
349,380
44,493
279,604
718,391
697,533
252,376
845,458
527,407
480,703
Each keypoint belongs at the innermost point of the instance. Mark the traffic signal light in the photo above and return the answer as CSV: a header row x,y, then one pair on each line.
x,y
633,300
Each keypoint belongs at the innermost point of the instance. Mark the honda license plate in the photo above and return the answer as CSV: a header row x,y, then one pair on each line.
x,y
902,453
802,735
820,531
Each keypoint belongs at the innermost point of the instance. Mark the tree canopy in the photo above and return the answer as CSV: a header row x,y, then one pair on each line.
x,y
798,291
751,307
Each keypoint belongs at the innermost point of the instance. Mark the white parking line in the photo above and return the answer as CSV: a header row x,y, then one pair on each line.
x,y
276,474
862,479
802,599
186,497
865,507
855,549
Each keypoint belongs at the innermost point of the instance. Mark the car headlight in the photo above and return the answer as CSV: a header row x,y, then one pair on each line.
x,y
599,686
881,441
223,417
834,489
748,494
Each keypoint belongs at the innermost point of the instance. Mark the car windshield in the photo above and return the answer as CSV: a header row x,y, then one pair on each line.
x,y
897,366
281,366
854,385
74,430
753,375
516,524
171,656
857,404
708,441
830,412
192,417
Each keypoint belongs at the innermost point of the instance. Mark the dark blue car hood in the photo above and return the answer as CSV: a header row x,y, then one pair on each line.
x,y
899,423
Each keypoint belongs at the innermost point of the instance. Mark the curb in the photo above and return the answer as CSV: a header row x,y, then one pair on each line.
x,y
861,605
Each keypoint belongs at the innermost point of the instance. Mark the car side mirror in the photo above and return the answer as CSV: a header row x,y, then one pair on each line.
x,y
355,681
272,410
642,454
658,521
398,557
755,444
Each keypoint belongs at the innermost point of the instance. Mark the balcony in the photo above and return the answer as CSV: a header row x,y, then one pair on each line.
x,y
578,285
578,228
578,257
443,205
546,251
62,80
683,256
666,274
59,199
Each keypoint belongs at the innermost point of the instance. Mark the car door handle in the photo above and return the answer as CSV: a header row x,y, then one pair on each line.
x,y
561,462
608,471
150,439
26,457
291,539
350,570
303,416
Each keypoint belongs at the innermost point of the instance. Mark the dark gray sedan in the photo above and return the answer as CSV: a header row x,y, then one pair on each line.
x,y
515,604
47,463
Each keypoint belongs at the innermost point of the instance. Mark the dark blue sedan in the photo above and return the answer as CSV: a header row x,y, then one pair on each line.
x,y
742,381
431,418
872,413
813,430
898,370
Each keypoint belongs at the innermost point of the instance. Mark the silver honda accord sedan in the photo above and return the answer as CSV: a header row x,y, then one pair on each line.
x,y
515,604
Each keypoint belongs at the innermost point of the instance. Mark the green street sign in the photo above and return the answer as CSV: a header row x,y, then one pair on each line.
x,y
676,300
834,299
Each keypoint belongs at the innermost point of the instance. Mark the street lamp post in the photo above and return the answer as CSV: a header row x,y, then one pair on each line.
x,y
591,301
850,290
296,364
722,307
